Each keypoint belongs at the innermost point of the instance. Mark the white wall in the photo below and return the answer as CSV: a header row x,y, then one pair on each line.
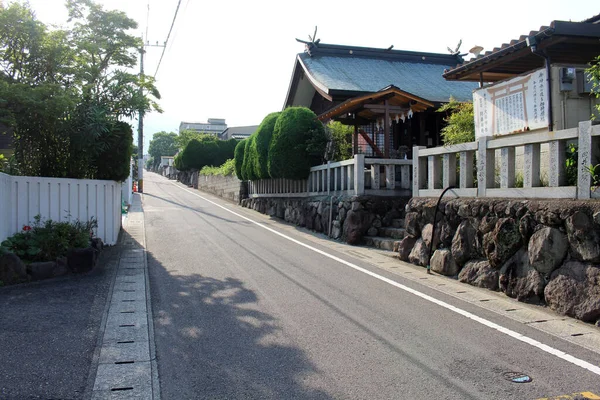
x,y
24,197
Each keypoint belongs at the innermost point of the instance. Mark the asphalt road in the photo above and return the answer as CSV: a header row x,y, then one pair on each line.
x,y
243,313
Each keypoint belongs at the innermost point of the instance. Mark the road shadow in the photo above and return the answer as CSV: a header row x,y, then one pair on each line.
x,y
213,343
49,331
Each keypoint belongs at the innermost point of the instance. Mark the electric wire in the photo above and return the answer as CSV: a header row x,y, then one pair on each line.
x,y
169,35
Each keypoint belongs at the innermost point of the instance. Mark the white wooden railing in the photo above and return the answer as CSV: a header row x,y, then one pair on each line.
x,y
435,169
24,197
353,177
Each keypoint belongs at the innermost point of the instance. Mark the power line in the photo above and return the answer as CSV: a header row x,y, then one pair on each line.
x,y
168,36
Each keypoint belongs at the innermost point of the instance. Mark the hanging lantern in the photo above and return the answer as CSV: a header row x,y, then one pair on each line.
x,y
402,117
410,113
397,118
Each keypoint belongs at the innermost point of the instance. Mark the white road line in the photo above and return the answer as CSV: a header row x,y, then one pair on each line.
x,y
516,335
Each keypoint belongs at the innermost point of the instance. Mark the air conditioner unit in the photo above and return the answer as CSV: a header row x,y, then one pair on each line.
x,y
584,85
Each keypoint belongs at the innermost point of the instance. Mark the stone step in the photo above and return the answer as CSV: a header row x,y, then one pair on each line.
x,y
394,233
398,223
382,243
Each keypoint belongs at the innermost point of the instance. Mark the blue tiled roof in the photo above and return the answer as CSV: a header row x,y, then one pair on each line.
x,y
370,74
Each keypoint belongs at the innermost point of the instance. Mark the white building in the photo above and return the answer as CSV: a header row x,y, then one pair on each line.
x,y
213,126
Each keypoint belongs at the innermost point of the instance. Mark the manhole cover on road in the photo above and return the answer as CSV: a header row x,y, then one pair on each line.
x,y
517,377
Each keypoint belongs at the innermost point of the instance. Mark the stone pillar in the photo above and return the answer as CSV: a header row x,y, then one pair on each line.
x,y
557,176
507,167
405,177
359,174
584,149
531,166
449,170
375,177
485,167
466,169
434,172
390,177
419,171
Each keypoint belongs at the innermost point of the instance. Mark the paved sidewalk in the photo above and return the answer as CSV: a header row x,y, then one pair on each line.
x,y
49,332
127,367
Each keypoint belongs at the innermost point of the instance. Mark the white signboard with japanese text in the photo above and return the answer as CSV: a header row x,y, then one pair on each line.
x,y
516,105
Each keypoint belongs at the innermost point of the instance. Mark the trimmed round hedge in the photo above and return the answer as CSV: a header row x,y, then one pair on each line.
x,y
260,146
239,158
298,143
249,156
199,153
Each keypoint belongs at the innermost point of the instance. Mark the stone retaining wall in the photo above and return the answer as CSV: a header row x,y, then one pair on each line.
x,y
545,252
341,217
227,187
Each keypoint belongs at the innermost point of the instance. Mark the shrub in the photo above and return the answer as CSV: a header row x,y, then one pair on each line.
x,y
249,157
228,168
199,153
298,143
260,146
339,147
47,240
114,162
460,121
239,158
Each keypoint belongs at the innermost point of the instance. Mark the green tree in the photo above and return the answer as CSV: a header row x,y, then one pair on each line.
x,y
187,135
162,144
339,147
298,143
460,121
260,146
594,75
64,91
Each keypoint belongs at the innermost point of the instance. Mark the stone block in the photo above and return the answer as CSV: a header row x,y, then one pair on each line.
x,y
547,250
573,290
443,263
12,269
480,274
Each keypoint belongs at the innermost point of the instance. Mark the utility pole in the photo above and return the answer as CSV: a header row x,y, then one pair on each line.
x,y
140,186
141,119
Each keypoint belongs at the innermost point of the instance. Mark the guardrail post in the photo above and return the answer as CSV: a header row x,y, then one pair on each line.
x,y
584,149
485,169
507,167
359,174
557,176
419,170
449,170
531,166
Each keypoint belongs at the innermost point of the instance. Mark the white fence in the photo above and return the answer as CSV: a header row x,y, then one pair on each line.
x,y
24,197
356,176
436,168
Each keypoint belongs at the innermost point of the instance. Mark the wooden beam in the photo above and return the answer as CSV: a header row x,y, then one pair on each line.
x,y
370,142
382,107
386,130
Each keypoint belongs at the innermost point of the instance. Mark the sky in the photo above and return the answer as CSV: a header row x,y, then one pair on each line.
x,y
234,59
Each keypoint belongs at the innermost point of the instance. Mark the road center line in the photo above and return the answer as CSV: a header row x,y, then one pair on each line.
x,y
525,339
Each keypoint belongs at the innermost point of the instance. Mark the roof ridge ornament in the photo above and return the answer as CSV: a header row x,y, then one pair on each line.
x,y
314,42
